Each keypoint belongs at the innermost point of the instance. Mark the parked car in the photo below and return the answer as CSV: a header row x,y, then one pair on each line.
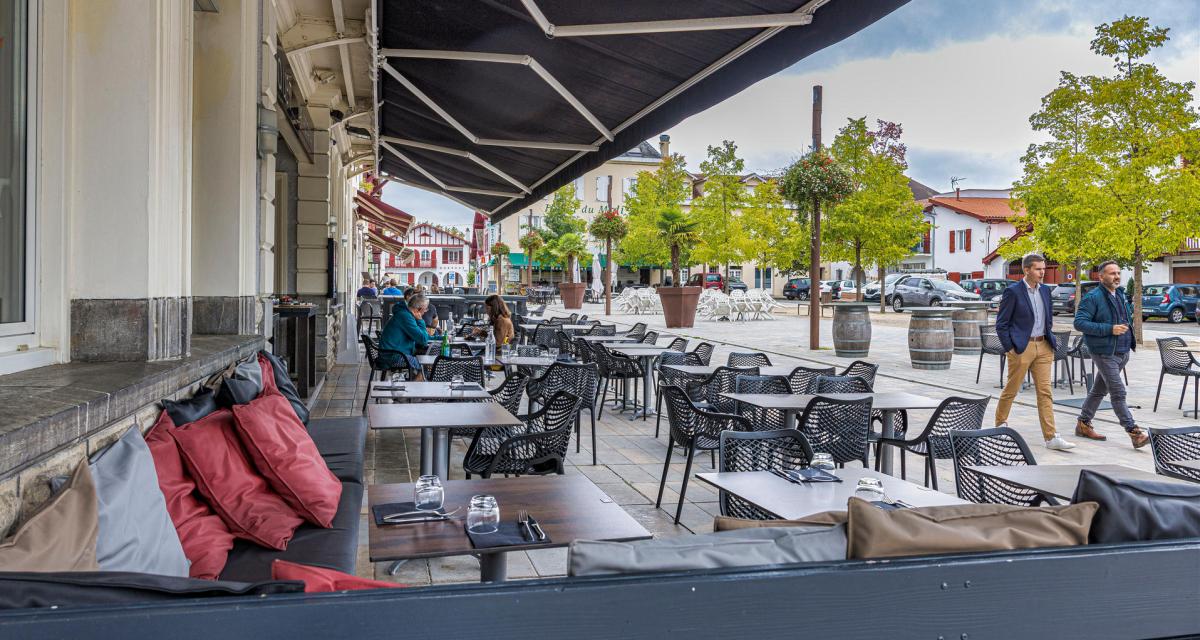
x,y
832,287
714,281
1171,301
871,290
1063,298
796,289
987,288
847,289
916,291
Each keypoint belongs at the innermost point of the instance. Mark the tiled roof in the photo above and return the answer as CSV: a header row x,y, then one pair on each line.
x,y
985,209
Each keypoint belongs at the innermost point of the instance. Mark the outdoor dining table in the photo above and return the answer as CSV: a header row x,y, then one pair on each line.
x,y
889,402
646,353
610,339
565,327
1059,480
435,420
567,508
533,362
789,501
421,391
699,370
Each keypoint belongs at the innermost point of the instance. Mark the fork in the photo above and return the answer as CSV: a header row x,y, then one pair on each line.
x,y
523,521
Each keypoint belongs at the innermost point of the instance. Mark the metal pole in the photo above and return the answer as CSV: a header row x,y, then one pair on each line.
x,y
606,273
814,268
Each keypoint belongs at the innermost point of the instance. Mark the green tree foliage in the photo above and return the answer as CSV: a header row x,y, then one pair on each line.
x,y
676,231
775,237
531,243
569,248
562,214
653,192
721,236
878,223
1118,179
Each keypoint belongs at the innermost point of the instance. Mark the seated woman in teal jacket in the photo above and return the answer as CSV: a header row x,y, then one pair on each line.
x,y
404,336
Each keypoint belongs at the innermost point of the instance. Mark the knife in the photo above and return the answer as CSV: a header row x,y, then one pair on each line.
x,y
541,535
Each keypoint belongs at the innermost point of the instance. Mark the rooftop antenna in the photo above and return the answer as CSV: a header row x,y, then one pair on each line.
x,y
954,180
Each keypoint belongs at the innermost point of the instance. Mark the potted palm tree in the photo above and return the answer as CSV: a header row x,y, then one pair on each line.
x,y
570,247
530,243
500,251
677,231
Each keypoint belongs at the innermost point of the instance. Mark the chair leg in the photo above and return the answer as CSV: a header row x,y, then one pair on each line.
x,y
979,369
687,471
603,397
1002,359
1161,373
658,411
578,422
933,469
927,472
712,455
666,466
1183,393
1070,377
903,466
593,414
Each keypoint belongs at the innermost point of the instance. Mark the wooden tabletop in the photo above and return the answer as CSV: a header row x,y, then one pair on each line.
x,y
567,507
883,401
425,391
707,370
478,415
1059,480
788,500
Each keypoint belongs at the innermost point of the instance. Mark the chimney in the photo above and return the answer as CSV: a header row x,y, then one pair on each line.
x,y
957,193
664,145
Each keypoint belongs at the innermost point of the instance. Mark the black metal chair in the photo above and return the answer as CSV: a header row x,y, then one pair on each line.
x,y
720,381
531,351
694,429
566,345
953,414
803,379
371,348
469,367
1173,445
650,337
762,419
1079,351
370,313
1178,363
546,335
840,384
579,379
779,450
637,331
538,311
838,427
616,369
990,345
601,330
864,370
539,447
1000,446
678,344
748,360
665,375
1062,353
508,394
572,319
705,351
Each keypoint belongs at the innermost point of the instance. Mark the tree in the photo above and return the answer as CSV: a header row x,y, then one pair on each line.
x,y
531,243
561,215
676,231
774,237
608,226
720,235
878,222
1118,178
570,247
665,188
500,251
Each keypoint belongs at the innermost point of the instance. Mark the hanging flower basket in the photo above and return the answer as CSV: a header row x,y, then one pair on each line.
x,y
815,176
608,225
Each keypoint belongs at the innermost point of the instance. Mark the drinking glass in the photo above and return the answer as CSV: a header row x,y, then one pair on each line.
x,y
870,489
553,351
428,495
483,515
456,381
823,461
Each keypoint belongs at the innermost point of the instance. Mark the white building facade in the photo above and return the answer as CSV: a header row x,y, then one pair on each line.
x,y
439,256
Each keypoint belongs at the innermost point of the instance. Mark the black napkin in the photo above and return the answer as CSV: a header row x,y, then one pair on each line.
x,y
809,474
887,506
510,534
381,510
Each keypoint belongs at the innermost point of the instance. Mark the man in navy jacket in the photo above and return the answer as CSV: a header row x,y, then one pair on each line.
x,y
1025,328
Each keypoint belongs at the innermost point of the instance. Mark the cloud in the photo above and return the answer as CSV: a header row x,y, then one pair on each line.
x,y
426,206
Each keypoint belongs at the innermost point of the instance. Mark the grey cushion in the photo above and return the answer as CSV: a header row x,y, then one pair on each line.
x,y
136,533
740,548
243,386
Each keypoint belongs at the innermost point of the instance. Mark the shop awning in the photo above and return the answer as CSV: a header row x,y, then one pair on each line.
x,y
387,244
380,213
497,103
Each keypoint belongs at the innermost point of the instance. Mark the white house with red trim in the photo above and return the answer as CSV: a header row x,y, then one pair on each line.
x,y
440,255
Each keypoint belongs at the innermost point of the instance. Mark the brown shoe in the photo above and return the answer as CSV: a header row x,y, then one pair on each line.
x,y
1140,438
1085,430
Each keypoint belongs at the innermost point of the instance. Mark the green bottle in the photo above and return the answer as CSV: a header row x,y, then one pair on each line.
x,y
445,345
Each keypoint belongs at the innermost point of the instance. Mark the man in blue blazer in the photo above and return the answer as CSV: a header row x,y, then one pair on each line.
x,y
1025,328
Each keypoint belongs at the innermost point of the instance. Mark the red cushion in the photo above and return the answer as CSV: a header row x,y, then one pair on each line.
x,y
268,377
230,484
322,580
284,453
205,538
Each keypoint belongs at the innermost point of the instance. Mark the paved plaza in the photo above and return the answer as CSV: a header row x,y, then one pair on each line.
x,y
631,457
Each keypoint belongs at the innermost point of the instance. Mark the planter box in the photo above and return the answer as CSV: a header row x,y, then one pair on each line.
x,y
572,294
679,305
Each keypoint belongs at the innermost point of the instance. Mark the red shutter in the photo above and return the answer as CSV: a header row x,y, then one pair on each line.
x,y
925,242
954,276
967,242
952,242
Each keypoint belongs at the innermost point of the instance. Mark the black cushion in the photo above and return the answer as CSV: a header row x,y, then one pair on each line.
x,y
286,386
1135,510
199,405
79,588
335,547
341,442
237,391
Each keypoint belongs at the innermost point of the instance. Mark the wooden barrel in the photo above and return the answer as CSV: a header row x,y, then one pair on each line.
x,y
931,337
967,319
851,329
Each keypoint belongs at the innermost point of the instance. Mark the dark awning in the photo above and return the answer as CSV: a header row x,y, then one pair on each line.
x,y
497,103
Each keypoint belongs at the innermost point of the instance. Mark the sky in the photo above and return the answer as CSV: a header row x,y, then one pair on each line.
x,y
961,76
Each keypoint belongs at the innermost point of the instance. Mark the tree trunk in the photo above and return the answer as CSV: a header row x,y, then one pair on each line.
x,y
1136,294
858,273
882,291
499,275
606,273
675,265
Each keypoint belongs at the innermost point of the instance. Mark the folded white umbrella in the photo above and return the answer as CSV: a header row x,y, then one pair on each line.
x,y
597,275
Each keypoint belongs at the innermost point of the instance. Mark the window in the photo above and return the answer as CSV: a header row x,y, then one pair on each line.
x,y
735,273
602,188
579,188
628,185
960,240
15,216
425,255
452,256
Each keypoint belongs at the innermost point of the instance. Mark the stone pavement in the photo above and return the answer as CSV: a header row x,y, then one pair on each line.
x,y
631,457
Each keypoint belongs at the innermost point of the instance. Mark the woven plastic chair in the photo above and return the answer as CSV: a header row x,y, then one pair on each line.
x,y
638,330
678,344
665,375
762,419
803,379
1178,363
602,330
840,384
953,414
579,379
722,380
748,360
1062,353
371,348
705,351
1175,445
615,367
990,345
470,368
838,427
650,337
864,370
530,351
694,429
508,394
780,450
1000,446
537,448
546,335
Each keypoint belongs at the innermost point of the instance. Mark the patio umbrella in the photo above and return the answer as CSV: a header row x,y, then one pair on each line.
x,y
597,276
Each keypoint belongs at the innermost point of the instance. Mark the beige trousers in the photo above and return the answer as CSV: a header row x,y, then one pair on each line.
x,y
1038,358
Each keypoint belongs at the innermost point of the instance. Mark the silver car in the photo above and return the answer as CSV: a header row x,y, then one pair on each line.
x,y
915,291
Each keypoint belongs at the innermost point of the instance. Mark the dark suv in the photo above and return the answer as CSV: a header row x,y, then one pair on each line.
x,y
1063,298
796,289
987,288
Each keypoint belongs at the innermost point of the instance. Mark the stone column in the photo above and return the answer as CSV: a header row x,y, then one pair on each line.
x,y
225,169
314,212
130,169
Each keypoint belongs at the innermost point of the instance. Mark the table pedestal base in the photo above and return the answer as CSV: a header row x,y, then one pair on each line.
x,y
493,567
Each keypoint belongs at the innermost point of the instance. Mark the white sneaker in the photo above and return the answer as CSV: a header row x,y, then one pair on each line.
x,y
1058,444
1002,425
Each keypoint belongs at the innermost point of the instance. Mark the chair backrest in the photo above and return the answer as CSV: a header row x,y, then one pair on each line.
x,y
565,344
990,447
990,341
953,414
723,380
469,367
803,379
582,319
1062,340
602,330
840,384
762,419
781,450
678,344
742,359
370,309
546,335
838,427
705,351
371,348
530,350
650,337
1175,444
508,394
580,379
637,331
864,370
1171,358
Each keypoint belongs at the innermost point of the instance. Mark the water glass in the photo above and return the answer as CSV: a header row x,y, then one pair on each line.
x,y
456,381
823,461
428,494
483,515
870,489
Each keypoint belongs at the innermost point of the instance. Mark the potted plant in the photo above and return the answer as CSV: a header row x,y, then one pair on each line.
x,y
677,231
608,226
500,251
570,247
530,243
